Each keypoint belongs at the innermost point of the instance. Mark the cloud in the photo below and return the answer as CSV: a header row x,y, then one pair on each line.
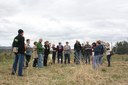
x,y
64,20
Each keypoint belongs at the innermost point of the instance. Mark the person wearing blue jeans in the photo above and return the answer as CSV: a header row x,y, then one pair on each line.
x,y
95,62
40,60
78,56
77,48
40,52
96,55
101,52
18,43
19,59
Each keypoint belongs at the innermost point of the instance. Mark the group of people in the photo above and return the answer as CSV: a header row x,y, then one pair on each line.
x,y
95,52
41,53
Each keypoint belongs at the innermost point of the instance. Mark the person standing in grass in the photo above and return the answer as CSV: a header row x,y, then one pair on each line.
x,y
77,49
101,53
83,57
67,52
46,52
35,56
60,53
53,53
28,52
40,52
96,55
19,54
88,50
93,46
108,53
50,59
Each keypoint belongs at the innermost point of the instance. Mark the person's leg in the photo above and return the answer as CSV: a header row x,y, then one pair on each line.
x,y
53,57
76,60
82,58
58,56
74,57
65,57
89,59
40,60
45,59
34,62
68,58
61,55
97,61
14,67
100,59
21,63
94,62
27,59
108,59
79,56
86,57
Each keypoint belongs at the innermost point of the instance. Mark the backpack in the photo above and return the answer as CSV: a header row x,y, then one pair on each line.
x,y
15,45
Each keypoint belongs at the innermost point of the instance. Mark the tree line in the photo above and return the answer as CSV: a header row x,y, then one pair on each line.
x,y
121,47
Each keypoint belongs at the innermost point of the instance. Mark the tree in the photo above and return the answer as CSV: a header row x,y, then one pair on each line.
x,y
121,47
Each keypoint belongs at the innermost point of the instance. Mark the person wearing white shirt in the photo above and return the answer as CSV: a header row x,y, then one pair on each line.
x,y
108,53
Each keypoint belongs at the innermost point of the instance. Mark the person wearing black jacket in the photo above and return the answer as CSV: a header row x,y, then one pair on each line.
x,y
60,53
46,52
18,43
77,50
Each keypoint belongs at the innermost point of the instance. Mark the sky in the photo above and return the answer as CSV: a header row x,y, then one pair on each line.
x,y
64,20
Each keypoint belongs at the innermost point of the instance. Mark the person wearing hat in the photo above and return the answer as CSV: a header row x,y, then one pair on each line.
x,y
19,55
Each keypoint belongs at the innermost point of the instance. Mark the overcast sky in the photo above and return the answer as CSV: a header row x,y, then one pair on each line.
x,y
64,20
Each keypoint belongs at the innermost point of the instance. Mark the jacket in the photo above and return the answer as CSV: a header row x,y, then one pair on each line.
x,y
40,48
19,43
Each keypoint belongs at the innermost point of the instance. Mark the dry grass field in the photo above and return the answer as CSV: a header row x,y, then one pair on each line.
x,y
61,74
